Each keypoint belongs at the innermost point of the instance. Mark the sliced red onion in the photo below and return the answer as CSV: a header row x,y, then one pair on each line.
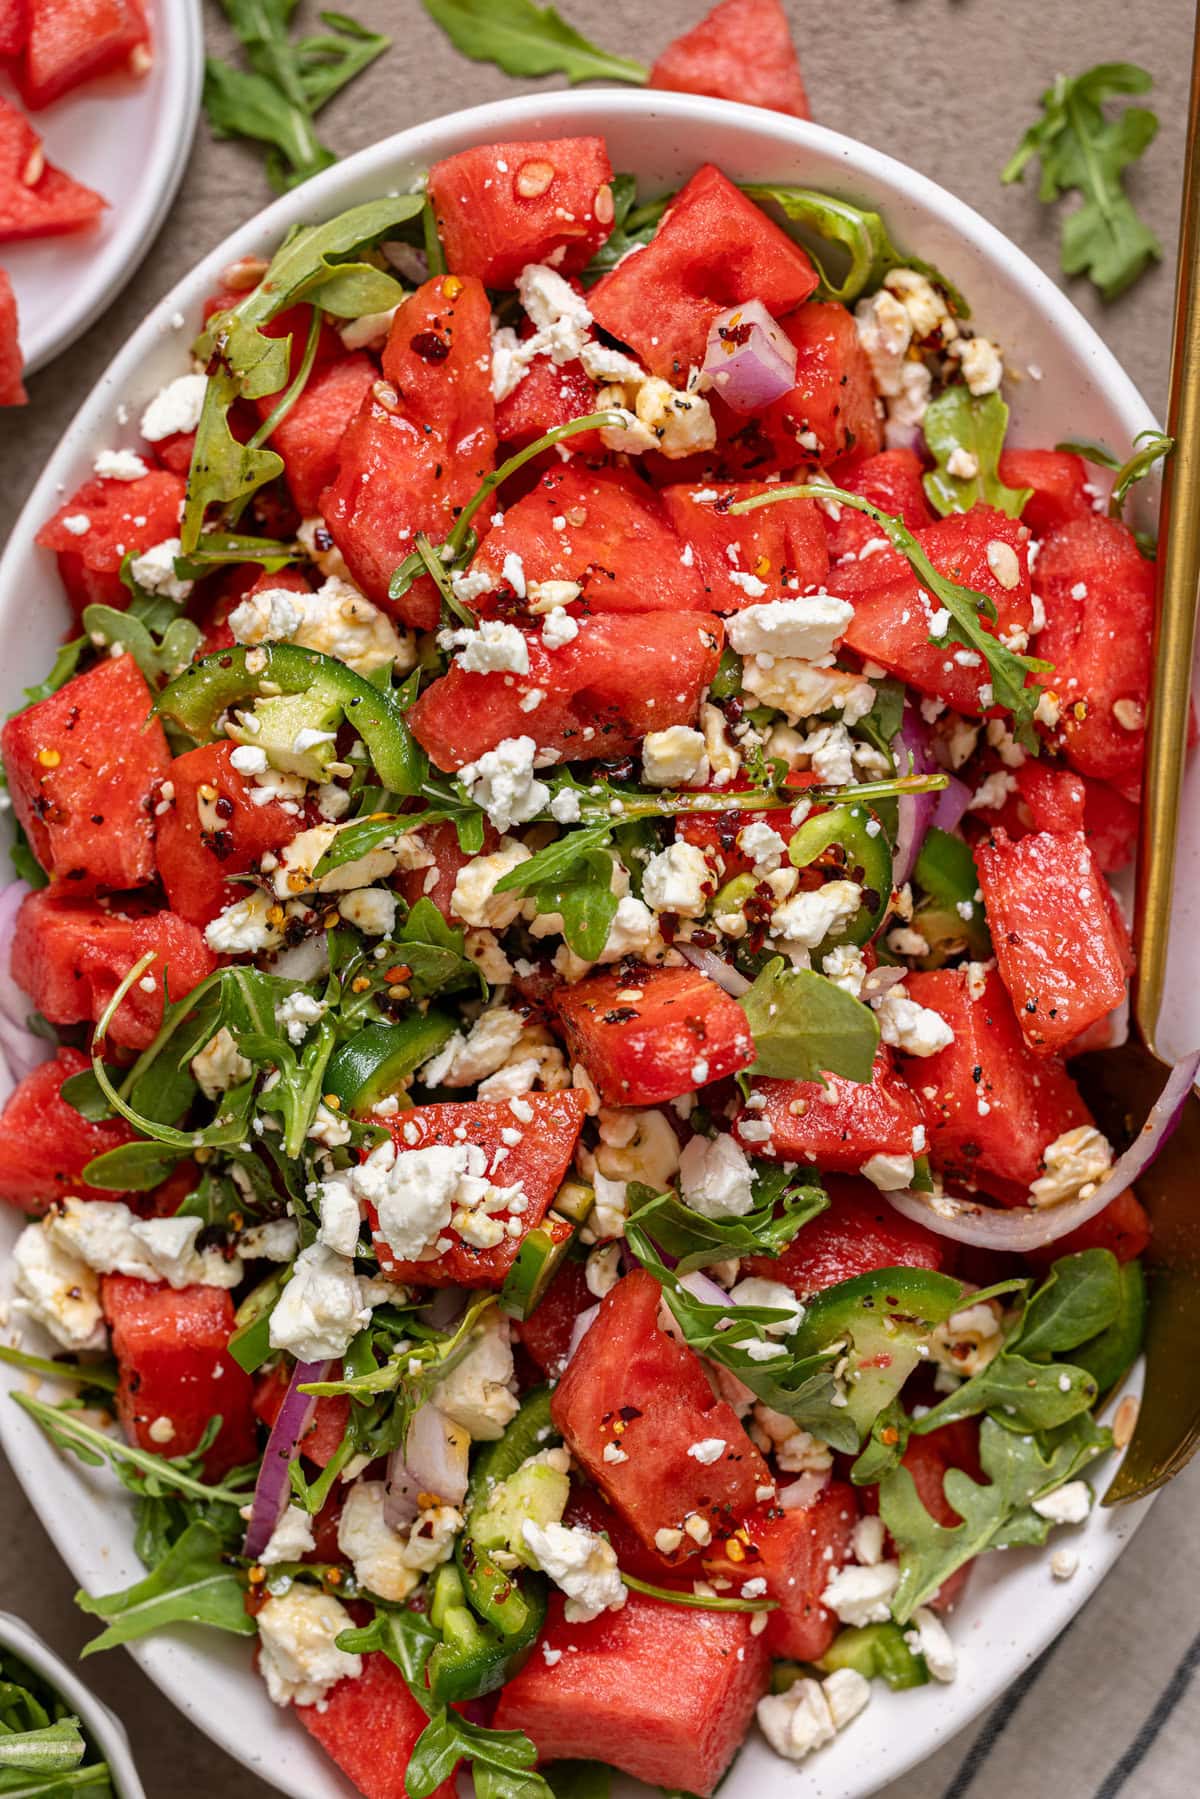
x,y
580,1329
1023,1228
272,1489
433,1460
701,1286
950,804
726,976
21,1048
750,360
916,810
800,1493
445,1308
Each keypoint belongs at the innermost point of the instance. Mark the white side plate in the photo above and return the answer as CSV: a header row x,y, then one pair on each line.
x,y
128,138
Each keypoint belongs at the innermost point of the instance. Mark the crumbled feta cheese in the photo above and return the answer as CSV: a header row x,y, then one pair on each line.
x,y
558,628
933,1643
867,1540
58,1290
801,689
676,757
1074,1163
298,1657
582,1563
340,1216
321,1308
754,1291
806,919
376,1550
174,408
154,570
477,1393
465,1060
885,332
862,1595
657,417
707,1451
810,1713
297,1014
963,465
633,932
905,1025
889,1172
372,910
337,620
716,1178
495,648
847,1692
474,899
764,846
220,1065
1068,1505
846,968
502,782
120,465
982,364
675,880
291,1539
808,627
243,928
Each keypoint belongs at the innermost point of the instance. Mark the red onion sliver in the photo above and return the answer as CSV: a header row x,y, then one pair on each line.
x,y
1023,1229
950,804
915,810
729,979
701,1286
272,1488
750,360
581,1327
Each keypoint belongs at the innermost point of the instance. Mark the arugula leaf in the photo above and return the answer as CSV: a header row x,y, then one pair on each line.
x,y
138,1469
98,1376
52,1749
782,1208
1081,149
585,901
435,951
802,1387
960,420
967,608
632,226
65,664
884,1448
524,39
191,1585
161,649
862,234
556,860
579,1780
1149,447
1020,1468
287,83
1079,1298
805,1027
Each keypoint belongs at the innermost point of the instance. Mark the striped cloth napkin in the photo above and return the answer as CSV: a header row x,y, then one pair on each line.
x,y
1112,1709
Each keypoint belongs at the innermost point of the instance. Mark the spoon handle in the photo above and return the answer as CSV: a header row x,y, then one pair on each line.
x,y
1175,626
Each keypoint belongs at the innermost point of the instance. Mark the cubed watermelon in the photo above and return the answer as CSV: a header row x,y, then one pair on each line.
x,y
331,1412
502,206
82,767
748,559
45,1144
646,1035
309,436
369,1726
547,395
796,1552
547,1331
14,26
838,1126
832,411
892,480
72,41
100,523
36,199
858,1234
741,50
212,829
12,363
1059,483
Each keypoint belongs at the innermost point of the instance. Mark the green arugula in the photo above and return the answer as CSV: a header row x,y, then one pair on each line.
x,y
1084,151
98,1377
738,1338
192,1584
161,642
804,1027
632,227
64,666
884,1446
701,1602
783,1206
288,82
51,1749
960,420
861,234
967,609
1150,447
524,39
1020,1467
43,1749
142,1472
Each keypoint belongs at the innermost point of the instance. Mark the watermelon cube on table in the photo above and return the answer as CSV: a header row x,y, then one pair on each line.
x,y
859,1233
662,1692
713,249
796,1552
82,766
991,1104
632,1385
646,1035
175,1370
72,41
36,199
422,441
212,829
369,1726
45,1144
741,50
12,363
70,958
1061,951
501,206
101,523
547,1126
619,677
838,1126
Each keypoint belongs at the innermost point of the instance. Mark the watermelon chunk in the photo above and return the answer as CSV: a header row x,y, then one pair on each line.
x,y
858,1234
742,50
601,529
680,1032
309,437
1060,953
621,676
747,560
173,1360
121,516
795,1552
892,481
12,363
546,1333
82,766
502,206
832,410
36,199
213,830
664,1693
45,1144
547,395
72,41
928,1459
1059,481
537,1163
14,26
370,1727
839,1126
713,249
331,1413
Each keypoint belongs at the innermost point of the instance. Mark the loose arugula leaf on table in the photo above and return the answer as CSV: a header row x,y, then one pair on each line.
x,y
1020,1467
524,39
737,1337
805,1027
288,82
961,420
967,608
861,233
192,1584
1082,150
783,1205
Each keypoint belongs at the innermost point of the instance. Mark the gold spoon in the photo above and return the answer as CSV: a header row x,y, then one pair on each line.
x,y
1120,1085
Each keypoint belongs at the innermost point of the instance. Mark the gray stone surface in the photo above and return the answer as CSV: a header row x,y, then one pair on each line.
x,y
948,86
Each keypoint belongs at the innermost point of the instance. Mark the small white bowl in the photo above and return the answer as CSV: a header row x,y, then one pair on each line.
x,y
102,1726
1065,382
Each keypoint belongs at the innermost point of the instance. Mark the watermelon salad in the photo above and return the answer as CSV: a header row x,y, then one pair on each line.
x,y
563,863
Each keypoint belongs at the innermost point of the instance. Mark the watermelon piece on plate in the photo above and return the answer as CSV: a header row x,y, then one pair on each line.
x,y
742,50
36,199
45,1144
12,388
72,41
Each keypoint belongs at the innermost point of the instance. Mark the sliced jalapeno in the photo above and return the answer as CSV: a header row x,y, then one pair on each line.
x,y
378,1058
865,858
